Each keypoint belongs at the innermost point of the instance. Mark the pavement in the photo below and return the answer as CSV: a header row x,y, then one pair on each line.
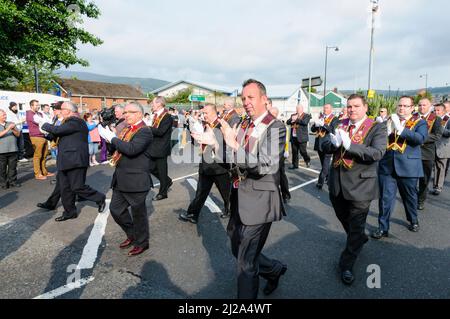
x,y
80,258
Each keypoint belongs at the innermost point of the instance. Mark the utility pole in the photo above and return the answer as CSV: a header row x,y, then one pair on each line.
x,y
36,79
326,67
375,7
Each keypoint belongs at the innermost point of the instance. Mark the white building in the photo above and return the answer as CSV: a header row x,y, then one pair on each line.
x,y
174,88
286,98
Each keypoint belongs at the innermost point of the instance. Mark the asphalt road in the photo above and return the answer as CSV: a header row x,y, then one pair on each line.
x,y
38,255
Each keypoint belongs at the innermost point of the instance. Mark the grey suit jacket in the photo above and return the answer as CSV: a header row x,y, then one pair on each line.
x,y
259,195
361,182
443,145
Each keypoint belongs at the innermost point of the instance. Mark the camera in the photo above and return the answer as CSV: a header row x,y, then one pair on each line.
x,y
108,117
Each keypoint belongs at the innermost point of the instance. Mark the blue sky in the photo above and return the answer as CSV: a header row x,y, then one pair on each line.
x,y
278,42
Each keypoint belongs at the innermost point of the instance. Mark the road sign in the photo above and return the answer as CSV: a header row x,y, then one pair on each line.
x,y
371,94
197,98
315,81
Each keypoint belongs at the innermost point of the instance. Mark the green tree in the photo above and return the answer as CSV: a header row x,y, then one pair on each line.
x,y
181,97
44,33
380,101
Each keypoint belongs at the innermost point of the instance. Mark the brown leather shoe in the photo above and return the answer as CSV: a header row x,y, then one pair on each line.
x,y
137,251
127,243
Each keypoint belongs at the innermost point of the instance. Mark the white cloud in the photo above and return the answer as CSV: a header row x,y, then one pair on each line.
x,y
276,41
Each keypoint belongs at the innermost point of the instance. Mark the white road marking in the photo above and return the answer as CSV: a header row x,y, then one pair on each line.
x,y
303,185
209,202
90,251
309,170
65,289
179,178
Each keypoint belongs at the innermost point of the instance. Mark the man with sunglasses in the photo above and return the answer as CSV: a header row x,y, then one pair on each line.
x,y
401,166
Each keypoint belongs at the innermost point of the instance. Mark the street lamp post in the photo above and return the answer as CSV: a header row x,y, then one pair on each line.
x,y
426,81
326,67
375,7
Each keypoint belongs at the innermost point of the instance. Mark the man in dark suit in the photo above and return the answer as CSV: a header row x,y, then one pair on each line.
x,y
358,146
256,202
212,170
72,161
161,148
131,181
435,130
401,166
326,124
442,150
299,136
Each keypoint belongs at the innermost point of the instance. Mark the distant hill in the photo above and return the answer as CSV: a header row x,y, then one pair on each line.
x,y
439,91
144,84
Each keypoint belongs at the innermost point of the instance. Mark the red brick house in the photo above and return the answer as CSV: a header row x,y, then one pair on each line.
x,y
92,95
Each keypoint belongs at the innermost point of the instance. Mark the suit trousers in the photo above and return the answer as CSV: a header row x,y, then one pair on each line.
x,y
40,147
247,243
325,161
160,171
299,147
440,173
72,183
205,183
407,187
135,225
284,182
424,181
8,168
353,216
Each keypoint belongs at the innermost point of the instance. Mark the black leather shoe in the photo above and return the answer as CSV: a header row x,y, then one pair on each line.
x,y
308,165
272,284
64,218
102,206
185,217
159,197
170,184
347,277
378,234
421,206
414,228
45,206
319,186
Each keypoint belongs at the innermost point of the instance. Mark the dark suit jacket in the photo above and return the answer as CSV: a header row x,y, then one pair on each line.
x,y
214,163
259,195
408,164
329,128
359,183
132,174
73,151
234,120
302,130
429,146
161,146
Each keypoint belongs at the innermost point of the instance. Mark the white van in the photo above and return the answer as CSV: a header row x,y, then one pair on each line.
x,y
23,101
